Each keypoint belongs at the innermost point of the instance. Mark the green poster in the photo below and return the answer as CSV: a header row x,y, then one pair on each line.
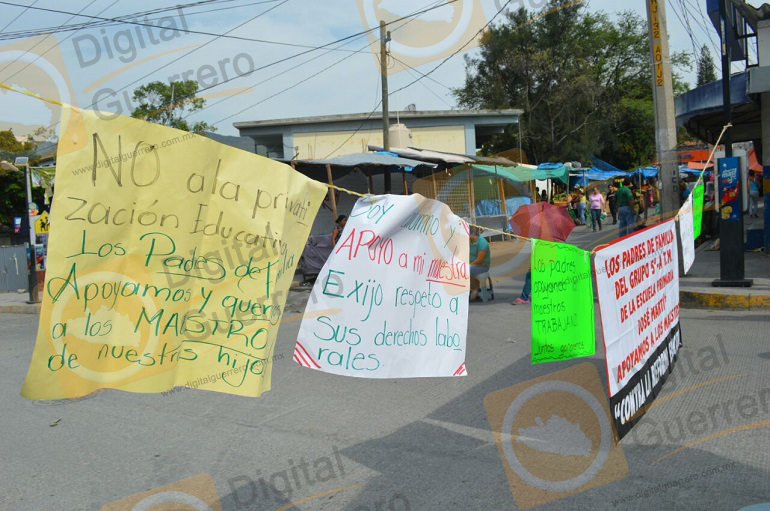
x,y
562,303
697,209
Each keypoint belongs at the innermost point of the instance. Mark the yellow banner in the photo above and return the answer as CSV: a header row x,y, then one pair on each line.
x,y
169,262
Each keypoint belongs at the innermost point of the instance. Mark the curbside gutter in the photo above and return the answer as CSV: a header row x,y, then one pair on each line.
x,y
696,300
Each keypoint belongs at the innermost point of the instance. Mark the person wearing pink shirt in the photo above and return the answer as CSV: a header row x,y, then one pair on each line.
x,y
596,203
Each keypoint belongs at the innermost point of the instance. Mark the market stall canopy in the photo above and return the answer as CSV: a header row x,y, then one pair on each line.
x,y
426,155
585,176
447,159
694,171
369,163
525,173
374,162
646,172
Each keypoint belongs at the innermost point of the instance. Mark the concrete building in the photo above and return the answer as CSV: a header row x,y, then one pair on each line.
x,y
456,131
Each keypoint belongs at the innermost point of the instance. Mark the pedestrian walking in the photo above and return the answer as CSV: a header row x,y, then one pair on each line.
x,y
596,201
625,202
611,203
582,206
753,198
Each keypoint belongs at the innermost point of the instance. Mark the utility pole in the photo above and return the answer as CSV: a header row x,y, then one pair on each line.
x,y
665,122
384,38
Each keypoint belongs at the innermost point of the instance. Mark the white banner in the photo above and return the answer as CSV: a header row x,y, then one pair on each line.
x,y
638,284
392,299
687,234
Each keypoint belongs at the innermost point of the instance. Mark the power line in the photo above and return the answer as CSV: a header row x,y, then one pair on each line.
x,y
26,8
40,41
420,72
410,69
686,25
445,60
199,32
703,23
99,24
409,19
77,26
49,49
196,48
295,84
426,75
356,35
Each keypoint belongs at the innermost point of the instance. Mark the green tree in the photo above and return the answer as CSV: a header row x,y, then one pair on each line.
x,y
583,80
168,104
13,192
706,70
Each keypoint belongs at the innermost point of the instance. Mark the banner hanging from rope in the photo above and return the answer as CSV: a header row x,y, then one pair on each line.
x,y
169,262
392,299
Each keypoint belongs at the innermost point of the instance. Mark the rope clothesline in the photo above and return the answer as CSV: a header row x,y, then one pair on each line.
x,y
351,192
53,102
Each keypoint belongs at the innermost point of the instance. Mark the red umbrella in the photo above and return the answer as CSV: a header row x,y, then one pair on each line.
x,y
542,221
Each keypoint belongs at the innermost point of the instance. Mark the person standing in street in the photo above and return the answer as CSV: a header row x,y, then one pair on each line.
x,y
596,201
753,198
611,203
479,258
625,201
338,228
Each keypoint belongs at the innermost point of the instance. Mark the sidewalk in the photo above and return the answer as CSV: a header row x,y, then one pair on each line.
x,y
696,291
16,303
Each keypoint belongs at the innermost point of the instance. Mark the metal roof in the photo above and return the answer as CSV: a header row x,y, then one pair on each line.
x,y
419,114
444,157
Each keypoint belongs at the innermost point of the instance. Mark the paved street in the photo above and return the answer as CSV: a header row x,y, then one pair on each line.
x,y
425,442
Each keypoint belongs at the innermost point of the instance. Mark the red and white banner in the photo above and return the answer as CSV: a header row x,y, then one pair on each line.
x,y
637,279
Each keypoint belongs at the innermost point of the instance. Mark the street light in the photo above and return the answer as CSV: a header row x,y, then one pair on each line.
x,y
7,167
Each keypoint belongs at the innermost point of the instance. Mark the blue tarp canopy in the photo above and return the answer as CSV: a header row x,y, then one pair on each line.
x,y
646,172
523,174
580,178
693,172
603,165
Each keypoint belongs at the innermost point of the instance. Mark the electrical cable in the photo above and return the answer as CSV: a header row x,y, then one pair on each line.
x,y
119,19
407,20
38,43
239,38
356,35
198,47
26,8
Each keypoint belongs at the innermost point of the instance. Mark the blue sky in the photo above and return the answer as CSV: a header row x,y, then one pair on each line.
x,y
349,86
